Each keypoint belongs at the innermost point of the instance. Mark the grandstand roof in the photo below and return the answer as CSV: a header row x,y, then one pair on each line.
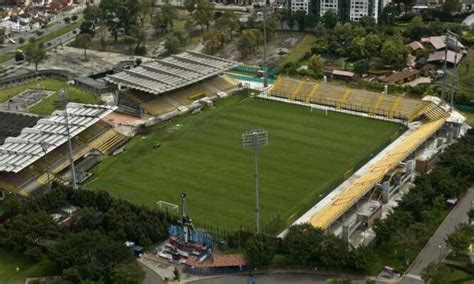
x,y
164,75
23,150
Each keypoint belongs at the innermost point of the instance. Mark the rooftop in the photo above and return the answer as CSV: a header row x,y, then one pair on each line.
x,y
451,57
399,76
174,72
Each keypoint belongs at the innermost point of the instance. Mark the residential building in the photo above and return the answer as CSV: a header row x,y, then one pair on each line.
x,y
352,10
300,5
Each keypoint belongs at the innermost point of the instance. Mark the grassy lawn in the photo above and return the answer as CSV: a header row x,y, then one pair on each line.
x,y
299,50
52,102
461,276
44,39
307,155
9,261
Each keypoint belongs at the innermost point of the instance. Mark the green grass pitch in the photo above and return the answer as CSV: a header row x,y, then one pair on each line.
x,y
202,155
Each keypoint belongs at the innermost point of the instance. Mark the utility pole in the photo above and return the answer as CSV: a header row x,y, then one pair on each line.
x,y
255,139
64,98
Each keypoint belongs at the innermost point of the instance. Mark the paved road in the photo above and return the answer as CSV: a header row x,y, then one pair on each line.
x,y
436,249
272,279
151,277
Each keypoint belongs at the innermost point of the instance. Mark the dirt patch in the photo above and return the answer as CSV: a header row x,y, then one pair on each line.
x,y
282,40
26,99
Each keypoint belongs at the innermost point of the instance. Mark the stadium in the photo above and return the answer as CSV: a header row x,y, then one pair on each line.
x,y
336,156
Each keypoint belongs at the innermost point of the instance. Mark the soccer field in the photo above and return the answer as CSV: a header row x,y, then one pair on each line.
x,y
308,154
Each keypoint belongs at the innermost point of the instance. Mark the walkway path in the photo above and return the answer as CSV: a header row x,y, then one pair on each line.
x,y
436,249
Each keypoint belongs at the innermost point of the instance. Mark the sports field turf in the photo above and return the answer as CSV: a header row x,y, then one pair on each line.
x,y
307,155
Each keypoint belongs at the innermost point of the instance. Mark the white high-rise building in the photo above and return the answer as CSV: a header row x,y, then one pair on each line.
x,y
328,5
353,10
361,8
300,5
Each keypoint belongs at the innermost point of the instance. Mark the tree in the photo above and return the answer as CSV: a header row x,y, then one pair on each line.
x,y
127,274
260,251
470,214
144,9
103,39
172,44
368,23
373,44
203,13
213,40
451,6
394,52
416,28
91,13
26,232
460,239
300,17
436,273
228,23
249,41
119,15
169,13
83,41
361,66
87,28
93,256
35,54
315,64
190,5
357,48
329,19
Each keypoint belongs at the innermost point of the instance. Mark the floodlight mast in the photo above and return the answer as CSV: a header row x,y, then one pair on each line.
x,y
255,139
64,98
451,41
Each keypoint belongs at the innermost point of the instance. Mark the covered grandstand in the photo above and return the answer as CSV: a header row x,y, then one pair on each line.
x,y
38,154
161,86
171,73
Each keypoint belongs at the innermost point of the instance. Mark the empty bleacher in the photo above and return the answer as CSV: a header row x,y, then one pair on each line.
x,y
162,104
108,141
341,97
223,83
11,124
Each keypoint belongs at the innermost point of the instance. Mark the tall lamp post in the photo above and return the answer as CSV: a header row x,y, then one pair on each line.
x,y
255,139
64,98
265,68
44,146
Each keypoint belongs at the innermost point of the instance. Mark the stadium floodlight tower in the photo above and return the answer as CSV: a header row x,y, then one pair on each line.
x,y
451,42
255,139
184,220
64,98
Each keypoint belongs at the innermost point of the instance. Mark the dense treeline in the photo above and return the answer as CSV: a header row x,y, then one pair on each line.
x,y
421,210
92,247
402,233
306,246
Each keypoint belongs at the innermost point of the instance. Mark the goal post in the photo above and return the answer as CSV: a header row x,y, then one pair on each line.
x,y
165,205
